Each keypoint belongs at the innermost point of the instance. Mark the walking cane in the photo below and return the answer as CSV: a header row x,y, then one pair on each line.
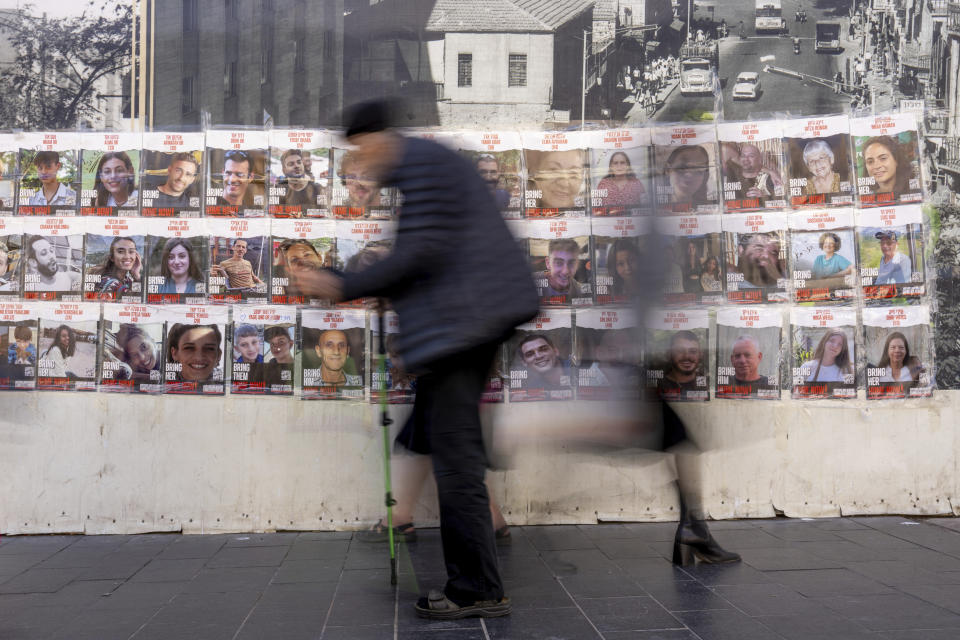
x,y
385,422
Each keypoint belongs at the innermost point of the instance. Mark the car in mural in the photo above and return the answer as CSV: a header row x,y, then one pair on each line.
x,y
747,86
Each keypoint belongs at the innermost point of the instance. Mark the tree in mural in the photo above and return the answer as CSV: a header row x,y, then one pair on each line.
x,y
947,334
59,63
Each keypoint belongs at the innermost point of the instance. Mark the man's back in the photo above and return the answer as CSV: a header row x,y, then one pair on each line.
x,y
456,276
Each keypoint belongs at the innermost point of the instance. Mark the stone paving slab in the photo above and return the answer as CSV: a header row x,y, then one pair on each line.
x,y
865,578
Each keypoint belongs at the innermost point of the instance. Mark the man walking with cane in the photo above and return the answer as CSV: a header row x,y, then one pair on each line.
x,y
459,285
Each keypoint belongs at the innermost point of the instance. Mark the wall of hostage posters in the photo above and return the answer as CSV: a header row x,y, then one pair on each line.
x,y
814,211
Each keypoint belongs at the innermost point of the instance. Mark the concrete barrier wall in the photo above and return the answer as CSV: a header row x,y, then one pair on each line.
x,y
102,463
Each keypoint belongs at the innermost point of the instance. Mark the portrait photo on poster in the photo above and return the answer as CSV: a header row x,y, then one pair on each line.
x,y
887,159
556,165
693,268
891,251
497,157
195,349
752,166
823,255
539,358
615,264
677,354
757,257
239,261
296,258
619,172
49,174
177,268
823,352
172,182
300,171
559,253
899,352
9,174
236,173
11,261
685,174
53,264
68,339
748,353
818,156
115,268
264,341
355,193
132,349
109,176
18,341
608,354
333,354
400,386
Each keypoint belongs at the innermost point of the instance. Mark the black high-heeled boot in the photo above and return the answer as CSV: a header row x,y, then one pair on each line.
x,y
694,540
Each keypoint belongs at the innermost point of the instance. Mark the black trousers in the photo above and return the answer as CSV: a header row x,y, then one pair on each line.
x,y
446,424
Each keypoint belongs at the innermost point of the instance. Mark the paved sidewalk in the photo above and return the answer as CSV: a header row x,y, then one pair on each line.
x,y
879,578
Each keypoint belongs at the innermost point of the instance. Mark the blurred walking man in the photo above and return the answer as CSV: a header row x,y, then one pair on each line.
x,y
459,285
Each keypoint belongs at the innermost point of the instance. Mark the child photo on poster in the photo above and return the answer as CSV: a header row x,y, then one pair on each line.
x,y
194,362
69,334
263,350
18,343
132,349
678,356
172,174
49,173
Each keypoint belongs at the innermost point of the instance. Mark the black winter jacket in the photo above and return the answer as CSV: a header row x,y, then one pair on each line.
x,y
456,277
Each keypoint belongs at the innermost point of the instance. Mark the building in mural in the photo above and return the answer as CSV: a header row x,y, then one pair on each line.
x,y
248,61
481,63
